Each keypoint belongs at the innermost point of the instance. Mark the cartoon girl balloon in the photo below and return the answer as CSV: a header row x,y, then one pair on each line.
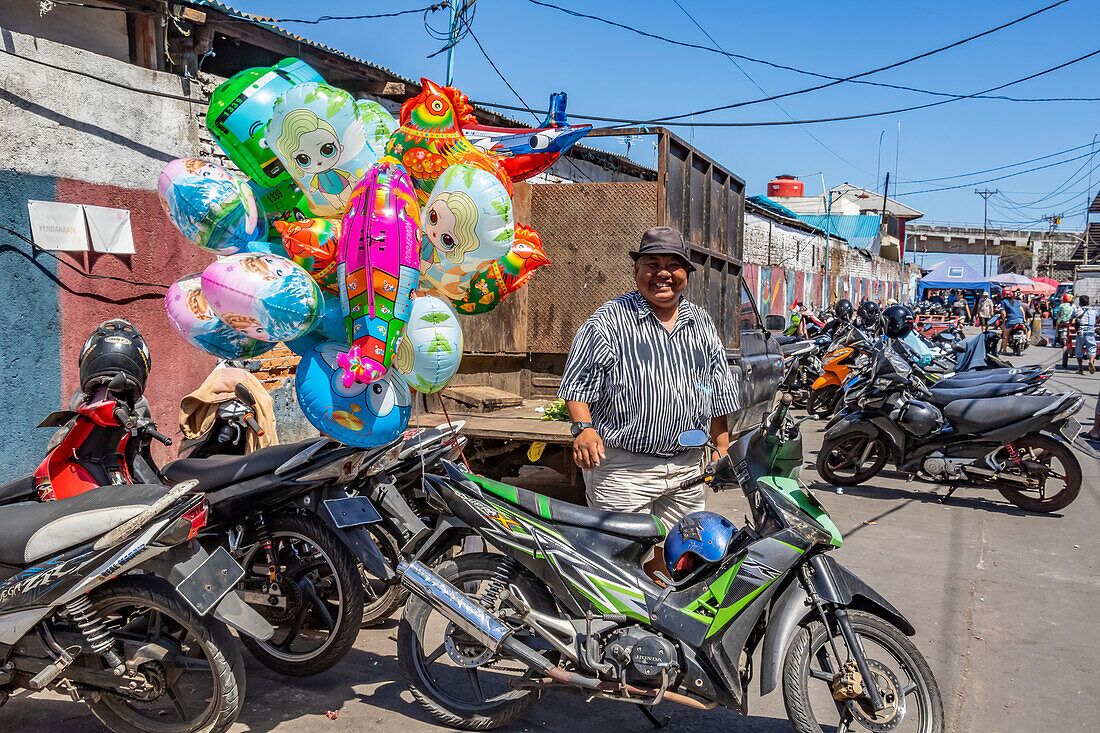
x,y
468,225
318,134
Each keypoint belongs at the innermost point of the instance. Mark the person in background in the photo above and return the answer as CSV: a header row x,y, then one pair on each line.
x,y
959,307
984,311
1013,312
1086,336
1063,314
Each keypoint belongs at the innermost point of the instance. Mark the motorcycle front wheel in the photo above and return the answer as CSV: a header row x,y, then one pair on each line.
x,y
1052,473
195,679
909,692
823,401
851,459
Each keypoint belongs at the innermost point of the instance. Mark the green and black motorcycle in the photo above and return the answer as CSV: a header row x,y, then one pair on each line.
x,y
566,603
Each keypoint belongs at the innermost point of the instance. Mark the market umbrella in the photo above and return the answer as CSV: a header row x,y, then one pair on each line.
x,y
1046,280
1011,279
1039,287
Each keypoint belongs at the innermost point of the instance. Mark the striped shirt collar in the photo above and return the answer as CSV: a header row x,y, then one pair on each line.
x,y
642,308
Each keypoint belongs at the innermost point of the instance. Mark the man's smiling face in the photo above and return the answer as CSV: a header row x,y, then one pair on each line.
x,y
660,279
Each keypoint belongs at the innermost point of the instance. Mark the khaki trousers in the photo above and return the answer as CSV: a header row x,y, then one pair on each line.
x,y
636,482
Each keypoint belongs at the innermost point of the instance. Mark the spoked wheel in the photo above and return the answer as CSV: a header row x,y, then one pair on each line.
x,y
823,401
381,598
911,698
851,459
314,600
194,681
1048,475
455,679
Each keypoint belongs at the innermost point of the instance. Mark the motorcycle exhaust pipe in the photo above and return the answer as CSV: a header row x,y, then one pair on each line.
x,y
467,615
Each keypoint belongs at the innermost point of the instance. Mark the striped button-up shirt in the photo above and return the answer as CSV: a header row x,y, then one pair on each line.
x,y
644,384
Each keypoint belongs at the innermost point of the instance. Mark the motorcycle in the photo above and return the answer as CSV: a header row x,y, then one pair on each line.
x,y
1015,444
565,602
1018,339
801,366
108,597
836,365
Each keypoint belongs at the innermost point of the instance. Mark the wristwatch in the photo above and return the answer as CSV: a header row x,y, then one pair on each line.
x,y
579,427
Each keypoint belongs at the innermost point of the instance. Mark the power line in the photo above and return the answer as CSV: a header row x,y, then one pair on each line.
x,y
773,123
991,180
834,80
992,170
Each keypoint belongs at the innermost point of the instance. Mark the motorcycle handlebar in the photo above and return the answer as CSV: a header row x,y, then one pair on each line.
x,y
254,426
153,433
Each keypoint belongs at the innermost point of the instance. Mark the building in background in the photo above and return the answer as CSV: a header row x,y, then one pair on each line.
x,y
1030,252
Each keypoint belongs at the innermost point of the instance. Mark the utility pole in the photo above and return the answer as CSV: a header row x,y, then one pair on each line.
x,y
828,227
1054,220
985,229
451,40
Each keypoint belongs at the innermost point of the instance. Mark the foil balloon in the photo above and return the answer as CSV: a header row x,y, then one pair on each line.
x,y
357,414
430,139
379,257
380,124
467,226
210,206
431,350
507,275
199,325
263,296
318,135
241,107
522,151
312,245
328,326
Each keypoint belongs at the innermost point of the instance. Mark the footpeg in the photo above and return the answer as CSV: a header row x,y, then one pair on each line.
x,y
48,674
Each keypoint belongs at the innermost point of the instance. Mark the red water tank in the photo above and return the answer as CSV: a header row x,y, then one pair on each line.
x,y
785,186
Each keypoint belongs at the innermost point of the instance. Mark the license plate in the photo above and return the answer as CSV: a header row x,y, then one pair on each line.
x,y
208,583
1070,430
352,511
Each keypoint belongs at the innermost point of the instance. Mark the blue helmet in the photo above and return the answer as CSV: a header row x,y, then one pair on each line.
x,y
699,538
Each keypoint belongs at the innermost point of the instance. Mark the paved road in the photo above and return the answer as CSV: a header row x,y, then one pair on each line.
x,y
1004,604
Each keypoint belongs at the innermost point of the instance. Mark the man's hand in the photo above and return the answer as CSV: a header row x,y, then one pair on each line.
x,y
588,449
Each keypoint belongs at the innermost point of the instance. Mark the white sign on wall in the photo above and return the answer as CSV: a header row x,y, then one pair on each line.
x,y
110,230
58,227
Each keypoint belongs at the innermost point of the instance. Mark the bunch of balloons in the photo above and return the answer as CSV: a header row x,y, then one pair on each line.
x,y
356,238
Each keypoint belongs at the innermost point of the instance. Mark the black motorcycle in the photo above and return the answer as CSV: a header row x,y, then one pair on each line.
x,y
565,602
1019,444
106,596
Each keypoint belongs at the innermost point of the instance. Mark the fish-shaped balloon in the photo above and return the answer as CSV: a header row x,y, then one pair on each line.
x,y
379,259
523,151
430,140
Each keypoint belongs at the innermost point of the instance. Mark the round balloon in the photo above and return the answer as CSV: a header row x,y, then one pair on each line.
x,y
193,318
362,415
380,123
431,350
312,245
263,296
329,326
214,209
467,226
318,135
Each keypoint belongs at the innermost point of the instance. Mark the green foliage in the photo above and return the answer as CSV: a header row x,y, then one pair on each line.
x,y
556,411
439,344
504,235
501,207
435,317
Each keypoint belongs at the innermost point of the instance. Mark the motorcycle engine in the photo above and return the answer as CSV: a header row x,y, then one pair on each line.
x,y
941,468
642,656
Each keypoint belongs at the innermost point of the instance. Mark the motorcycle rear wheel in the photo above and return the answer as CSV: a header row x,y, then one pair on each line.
x,y
840,461
905,681
203,683
1045,451
382,598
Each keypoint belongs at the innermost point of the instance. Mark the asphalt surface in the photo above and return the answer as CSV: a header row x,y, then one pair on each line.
x,y
1004,602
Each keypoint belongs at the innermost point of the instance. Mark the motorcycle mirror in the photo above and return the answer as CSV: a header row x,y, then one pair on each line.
x,y
693,439
244,395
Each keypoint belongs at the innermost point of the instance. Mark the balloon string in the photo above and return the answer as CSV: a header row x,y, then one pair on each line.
x,y
455,436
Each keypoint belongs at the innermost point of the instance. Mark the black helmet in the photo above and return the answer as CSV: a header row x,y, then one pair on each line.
x,y
115,347
869,312
898,321
843,309
918,418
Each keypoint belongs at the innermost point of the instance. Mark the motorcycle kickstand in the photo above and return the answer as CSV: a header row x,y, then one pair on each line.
x,y
950,490
653,719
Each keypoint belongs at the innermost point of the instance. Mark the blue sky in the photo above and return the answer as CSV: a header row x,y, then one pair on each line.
x,y
614,73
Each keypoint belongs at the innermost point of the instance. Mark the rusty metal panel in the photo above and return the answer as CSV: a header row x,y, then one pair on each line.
x,y
587,230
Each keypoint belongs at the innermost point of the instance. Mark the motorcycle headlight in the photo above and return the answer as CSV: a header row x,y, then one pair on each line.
x,y
384,461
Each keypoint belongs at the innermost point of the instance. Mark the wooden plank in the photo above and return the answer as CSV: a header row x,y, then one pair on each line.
x,y
497,427
479,398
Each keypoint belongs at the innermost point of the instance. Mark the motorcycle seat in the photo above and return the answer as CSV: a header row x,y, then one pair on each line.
x,y
971,379
218,471
798,348
784,340
980,415
21,489
636,526
32,530
942,396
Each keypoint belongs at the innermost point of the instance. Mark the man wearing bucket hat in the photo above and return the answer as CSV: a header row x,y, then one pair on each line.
x,y
643,368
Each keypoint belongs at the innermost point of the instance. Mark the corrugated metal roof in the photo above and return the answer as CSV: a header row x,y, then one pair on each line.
x,y
769,208
861,231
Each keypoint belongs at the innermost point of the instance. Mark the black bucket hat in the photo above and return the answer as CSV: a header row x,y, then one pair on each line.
x,y
664,241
